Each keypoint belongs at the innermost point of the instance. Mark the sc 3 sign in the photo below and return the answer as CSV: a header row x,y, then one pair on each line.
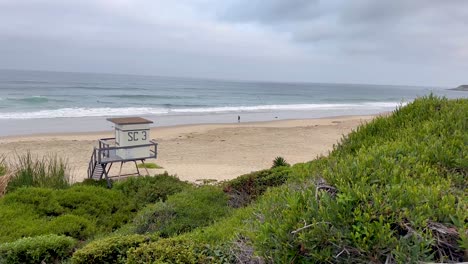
x,y
137,136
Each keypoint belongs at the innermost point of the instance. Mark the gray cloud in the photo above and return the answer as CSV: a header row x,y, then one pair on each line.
x,y
336,40
272,11
399,30
369,11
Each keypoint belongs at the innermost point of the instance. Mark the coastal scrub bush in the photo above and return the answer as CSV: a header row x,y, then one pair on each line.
x,y
392,191
111,249
40,249
150,189
72,225
50,171
109,209
183,250
92,182
183,212
173,250
246,188
79,211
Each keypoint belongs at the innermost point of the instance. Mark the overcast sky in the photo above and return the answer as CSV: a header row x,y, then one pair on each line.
x,y
413,42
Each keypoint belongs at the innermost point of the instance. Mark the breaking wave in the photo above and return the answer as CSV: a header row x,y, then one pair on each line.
x,y
168,109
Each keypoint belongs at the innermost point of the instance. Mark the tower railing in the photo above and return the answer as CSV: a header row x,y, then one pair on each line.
x,y
108,152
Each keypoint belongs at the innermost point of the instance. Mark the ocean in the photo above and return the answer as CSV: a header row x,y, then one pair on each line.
x,y
51,102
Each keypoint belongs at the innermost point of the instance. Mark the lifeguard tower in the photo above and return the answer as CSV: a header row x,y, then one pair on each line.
x,y
131,143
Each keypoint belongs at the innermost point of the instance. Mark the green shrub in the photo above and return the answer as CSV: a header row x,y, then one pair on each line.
x,y
91,182
41,201
108,208
223,231
50,171
110,249
183,212
393,190
246,188
74,226
183,250
279,162
167,251
79,211
145,190
41,249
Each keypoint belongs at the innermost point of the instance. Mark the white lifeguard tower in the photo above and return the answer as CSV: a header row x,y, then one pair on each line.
x,y
131,143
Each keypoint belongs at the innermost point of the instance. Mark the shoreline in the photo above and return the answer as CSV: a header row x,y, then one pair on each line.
x,y
252,123
17,127
203,151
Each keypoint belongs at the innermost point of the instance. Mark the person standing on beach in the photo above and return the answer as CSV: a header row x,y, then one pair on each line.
x,y
238,119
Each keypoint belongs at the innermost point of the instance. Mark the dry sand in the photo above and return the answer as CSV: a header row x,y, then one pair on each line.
x,y
212,151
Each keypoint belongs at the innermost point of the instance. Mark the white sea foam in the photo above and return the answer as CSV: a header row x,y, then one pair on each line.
x,y
291,107
83,112
107,111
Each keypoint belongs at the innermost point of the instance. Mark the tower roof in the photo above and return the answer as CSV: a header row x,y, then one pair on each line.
x,y
129,120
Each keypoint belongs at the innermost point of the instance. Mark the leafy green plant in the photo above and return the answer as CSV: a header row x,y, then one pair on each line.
x,y
91,182
50,171
279,162
167,251
40,249
111,249
184,250
71,225
246,188
79,211
183,212
393,190
150,189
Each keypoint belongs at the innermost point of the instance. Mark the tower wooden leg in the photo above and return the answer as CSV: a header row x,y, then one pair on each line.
x,y
109,185
144,166
138,170
120,171
110,166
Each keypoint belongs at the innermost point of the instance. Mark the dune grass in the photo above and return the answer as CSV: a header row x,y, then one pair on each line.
x,y
150,165
3,166
48,171
4,178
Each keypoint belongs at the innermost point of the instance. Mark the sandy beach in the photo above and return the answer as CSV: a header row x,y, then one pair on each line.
x,y
211,151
